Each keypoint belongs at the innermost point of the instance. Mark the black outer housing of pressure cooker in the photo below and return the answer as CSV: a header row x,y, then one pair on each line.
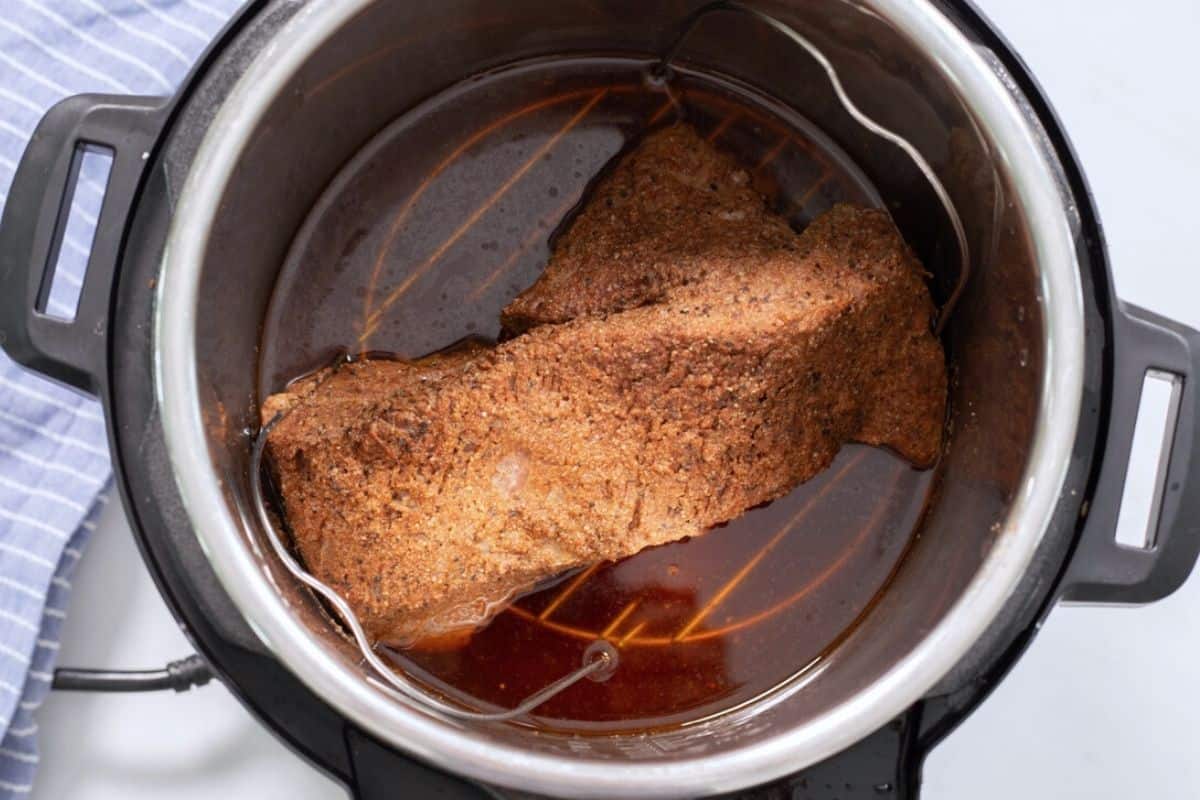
x,y
108,351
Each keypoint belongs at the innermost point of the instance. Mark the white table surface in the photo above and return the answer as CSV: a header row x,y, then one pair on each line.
x,y
1104,705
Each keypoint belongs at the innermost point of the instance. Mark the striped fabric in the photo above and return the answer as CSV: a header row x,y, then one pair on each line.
x,y
54,466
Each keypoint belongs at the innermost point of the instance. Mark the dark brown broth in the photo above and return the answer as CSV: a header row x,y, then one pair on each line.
x,y
422,240
702,625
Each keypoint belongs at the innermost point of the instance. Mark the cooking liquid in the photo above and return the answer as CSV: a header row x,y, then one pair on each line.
x,y
446,216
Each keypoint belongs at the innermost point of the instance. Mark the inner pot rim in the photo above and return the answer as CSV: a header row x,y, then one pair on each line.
x,y
446,744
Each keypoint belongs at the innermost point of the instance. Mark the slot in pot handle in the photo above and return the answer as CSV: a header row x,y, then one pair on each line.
x,y
34,222
1103,570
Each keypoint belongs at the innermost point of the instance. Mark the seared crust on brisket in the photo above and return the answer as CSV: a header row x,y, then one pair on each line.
x,y
671,376
673,210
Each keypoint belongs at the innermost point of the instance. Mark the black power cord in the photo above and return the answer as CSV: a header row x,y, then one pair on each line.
x,y
178,675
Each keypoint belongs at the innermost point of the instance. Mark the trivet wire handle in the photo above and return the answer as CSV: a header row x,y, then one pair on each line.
x,y
690,23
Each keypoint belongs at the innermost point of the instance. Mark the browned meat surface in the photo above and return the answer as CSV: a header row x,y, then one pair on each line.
x,y
672,395
672,211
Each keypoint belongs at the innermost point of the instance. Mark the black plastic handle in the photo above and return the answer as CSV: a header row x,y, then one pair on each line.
x,y
1103,570
35,216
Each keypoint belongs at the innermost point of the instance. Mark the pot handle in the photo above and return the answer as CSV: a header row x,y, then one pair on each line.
x,y
1103,570
35,218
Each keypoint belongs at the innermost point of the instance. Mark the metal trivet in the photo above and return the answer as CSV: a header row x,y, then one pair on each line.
x,y
600,658
692,21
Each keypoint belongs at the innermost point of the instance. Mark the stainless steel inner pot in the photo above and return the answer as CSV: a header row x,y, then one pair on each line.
x,y
337,73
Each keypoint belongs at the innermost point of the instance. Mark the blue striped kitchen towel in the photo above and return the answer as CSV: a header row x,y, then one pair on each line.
x,y
54,466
